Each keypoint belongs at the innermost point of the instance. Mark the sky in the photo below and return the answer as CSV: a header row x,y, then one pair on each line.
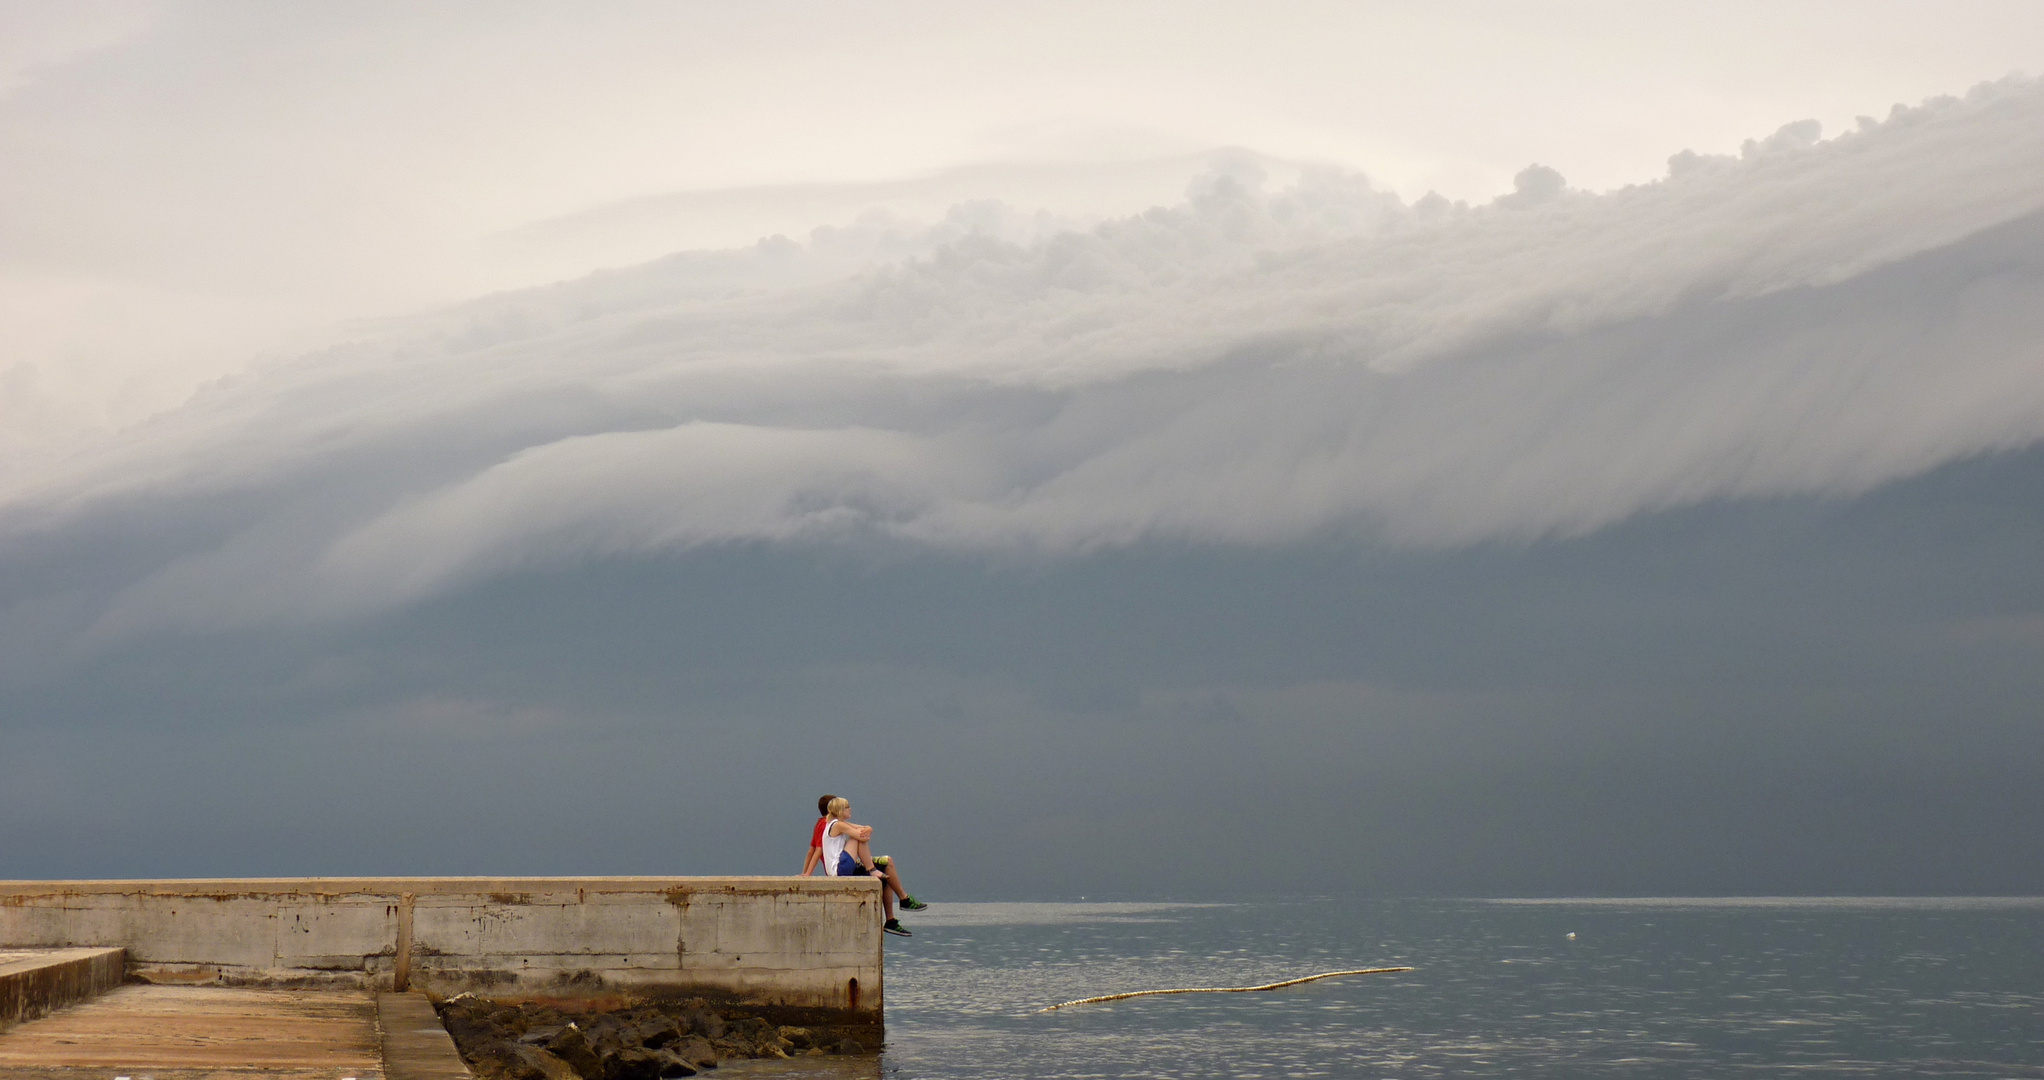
x,y
1148,450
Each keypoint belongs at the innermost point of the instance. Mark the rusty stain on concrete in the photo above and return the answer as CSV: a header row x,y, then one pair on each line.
x,y
189,1033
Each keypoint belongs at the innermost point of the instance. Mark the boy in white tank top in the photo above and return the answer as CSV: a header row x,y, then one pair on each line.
x,y
847,852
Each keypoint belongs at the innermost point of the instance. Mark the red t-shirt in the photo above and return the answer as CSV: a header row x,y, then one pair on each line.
x,y
816,835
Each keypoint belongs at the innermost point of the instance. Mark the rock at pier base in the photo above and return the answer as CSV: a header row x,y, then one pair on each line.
x,y
645,1041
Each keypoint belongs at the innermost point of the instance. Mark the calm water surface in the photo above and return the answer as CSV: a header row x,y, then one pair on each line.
x,y
1660,988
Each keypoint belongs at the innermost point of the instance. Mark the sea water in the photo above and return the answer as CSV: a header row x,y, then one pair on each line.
x,y
1644,988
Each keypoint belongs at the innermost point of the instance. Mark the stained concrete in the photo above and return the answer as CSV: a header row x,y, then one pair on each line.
x,y
200,1033
807,945
35,982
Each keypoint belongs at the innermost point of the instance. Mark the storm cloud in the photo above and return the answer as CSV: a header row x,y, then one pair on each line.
x,y
1813,318
1679,537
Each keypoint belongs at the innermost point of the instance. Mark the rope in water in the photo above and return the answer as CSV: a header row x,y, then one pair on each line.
x,y
1225,989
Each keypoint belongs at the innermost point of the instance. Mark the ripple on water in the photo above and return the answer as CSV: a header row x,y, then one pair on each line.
x,y
1647,989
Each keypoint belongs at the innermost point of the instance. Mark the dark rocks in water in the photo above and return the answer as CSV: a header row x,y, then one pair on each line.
x,y
517,1061
639,1063
493,1058
655,1041
655,1034
572,1046
753,1029
469,1023
695,1050
701,1021
540,1065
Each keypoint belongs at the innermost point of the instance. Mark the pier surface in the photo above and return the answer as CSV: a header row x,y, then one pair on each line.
x,y
200,1033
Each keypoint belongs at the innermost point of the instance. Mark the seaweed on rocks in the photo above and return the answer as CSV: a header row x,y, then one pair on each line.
x,y
652,1041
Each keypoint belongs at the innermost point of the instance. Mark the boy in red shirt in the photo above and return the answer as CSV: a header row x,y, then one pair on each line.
x,y
816,835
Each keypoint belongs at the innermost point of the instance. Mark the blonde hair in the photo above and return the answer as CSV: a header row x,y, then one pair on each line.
x,y
836,805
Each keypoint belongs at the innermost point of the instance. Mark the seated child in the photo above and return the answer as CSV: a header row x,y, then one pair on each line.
x,y
846,851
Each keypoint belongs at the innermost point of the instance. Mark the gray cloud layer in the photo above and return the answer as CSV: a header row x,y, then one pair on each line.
x,y
1758,697
1246,368
1654,541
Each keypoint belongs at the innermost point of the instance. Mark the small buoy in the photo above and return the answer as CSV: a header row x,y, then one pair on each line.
x,y
1572,935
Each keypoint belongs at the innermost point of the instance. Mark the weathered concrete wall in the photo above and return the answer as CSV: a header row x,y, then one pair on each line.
x,y
799,943
35,984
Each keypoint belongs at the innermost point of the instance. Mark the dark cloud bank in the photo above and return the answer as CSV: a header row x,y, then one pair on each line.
x,y
1267,544
1783,696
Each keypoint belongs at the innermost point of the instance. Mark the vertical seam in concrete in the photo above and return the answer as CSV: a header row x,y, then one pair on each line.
x,y
401,977
678,903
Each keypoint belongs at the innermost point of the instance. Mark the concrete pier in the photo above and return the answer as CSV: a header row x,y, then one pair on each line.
x,y
37,982
807,947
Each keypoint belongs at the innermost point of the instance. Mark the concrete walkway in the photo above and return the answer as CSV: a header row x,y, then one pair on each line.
x,y
200,1033
415,1045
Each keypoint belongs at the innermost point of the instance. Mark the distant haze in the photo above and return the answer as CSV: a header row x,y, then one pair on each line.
x,y
1119,471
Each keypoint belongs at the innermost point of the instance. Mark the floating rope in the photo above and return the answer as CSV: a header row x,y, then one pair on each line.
x,y
1226,989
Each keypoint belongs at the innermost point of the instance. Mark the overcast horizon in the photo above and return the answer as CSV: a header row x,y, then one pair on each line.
x,y
1505,450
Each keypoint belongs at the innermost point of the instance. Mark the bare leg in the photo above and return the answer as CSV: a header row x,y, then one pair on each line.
x,y
893,878
864,853
890,878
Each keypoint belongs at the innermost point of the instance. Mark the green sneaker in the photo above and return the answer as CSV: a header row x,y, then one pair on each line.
x,y
894,927
910,903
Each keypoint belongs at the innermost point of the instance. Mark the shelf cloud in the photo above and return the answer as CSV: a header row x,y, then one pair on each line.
x,y
1256,365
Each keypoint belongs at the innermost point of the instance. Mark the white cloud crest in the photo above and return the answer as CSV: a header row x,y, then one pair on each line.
x,y
1814,317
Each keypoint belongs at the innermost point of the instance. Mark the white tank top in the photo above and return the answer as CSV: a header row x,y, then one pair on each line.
x,y
833,846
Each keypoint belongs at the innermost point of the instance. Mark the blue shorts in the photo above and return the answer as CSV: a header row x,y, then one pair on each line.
x,y
848,866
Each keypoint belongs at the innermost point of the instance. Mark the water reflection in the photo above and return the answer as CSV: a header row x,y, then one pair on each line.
x,y
1621,989
806,1067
